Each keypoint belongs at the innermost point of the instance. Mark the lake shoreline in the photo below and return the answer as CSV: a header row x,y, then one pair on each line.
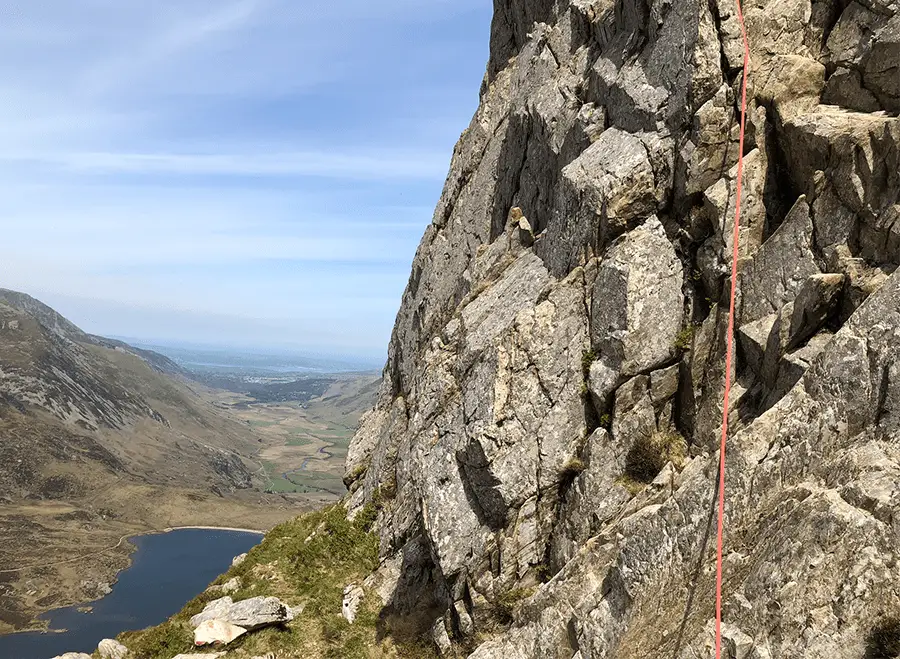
x,y
71,622
207,528
43,626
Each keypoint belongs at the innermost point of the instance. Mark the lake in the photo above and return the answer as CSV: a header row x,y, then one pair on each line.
x,y
167,571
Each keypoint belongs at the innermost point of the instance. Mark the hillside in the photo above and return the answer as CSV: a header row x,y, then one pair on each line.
x,y
99,440
55,375
540,469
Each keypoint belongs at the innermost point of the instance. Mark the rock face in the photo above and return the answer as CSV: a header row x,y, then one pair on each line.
x,y
250,614
542,453
111,649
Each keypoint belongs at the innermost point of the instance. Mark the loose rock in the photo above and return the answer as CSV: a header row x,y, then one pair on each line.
x,y
217,632
112,649
353,597
250,613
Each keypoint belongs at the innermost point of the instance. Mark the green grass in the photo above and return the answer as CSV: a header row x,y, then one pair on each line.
x,y
306,561
573,468
588,357
508,602
685,339
255,423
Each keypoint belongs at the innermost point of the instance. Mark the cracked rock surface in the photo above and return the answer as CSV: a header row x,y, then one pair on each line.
x,y
543,451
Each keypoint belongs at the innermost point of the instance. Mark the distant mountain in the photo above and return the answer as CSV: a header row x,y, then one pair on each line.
x,y
70,397
49,319
223,359
159,362
52,321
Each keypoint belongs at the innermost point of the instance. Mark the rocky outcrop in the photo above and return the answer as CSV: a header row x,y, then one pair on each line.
x,y
542,454
353,597
112,649
250,614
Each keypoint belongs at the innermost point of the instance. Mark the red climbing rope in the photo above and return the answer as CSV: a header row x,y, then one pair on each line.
x,y
730,336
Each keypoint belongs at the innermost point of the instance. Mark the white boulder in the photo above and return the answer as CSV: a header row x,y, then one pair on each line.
x,y
251,613
111,649
217,632
353,597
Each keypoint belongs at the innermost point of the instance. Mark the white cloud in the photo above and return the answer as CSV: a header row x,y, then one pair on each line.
x,y
178,155
387,165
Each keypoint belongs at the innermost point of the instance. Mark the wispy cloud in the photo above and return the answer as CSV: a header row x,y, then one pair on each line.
x,y
274,161
388,165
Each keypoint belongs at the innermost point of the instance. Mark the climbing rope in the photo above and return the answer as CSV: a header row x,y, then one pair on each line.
x,y
730,335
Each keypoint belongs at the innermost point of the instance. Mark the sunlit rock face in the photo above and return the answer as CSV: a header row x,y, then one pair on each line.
x,y
543,452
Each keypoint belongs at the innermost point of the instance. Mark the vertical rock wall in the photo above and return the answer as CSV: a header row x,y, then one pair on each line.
x,y
542,452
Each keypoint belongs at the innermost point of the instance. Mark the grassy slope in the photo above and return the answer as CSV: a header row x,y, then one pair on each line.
x,y
307,562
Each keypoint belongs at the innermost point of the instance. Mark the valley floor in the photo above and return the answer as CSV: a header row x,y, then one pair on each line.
x,y
61,553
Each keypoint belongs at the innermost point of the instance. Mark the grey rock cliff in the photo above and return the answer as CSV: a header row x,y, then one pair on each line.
x,y
543,451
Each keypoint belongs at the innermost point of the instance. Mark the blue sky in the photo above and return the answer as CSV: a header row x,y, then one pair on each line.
x,y
229,172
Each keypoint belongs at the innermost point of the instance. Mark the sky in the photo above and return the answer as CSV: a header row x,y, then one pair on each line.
x,y
249,173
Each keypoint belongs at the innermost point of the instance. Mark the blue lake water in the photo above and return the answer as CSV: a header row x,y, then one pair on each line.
x,y
167,571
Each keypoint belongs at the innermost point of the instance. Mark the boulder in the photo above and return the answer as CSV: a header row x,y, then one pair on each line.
x,y
664,384
712,146
217,632
73,655
611,186
212,610
793,84
526,234
230,586
353,597
816,300
237,560
111,649
719,206
250,613
780,267
753,339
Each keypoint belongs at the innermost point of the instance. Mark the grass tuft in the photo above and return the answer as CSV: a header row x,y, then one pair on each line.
x,y
685,339
573,468
506,605
648,456
588,357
